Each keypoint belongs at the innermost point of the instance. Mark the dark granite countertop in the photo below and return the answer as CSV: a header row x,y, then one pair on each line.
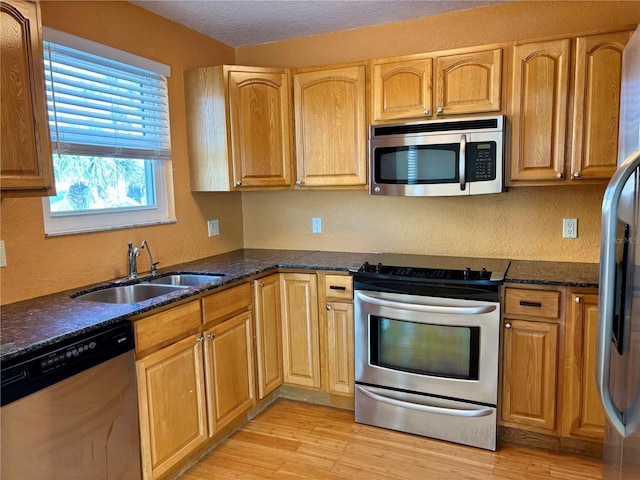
x,y
553,273
41,322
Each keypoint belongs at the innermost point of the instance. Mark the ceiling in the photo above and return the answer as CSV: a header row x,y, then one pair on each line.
x,y
250,22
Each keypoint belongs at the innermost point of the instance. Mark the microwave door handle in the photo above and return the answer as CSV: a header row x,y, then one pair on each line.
x,y
606,292
462,165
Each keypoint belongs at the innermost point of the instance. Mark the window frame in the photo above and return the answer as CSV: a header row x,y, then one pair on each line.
x,y
65,223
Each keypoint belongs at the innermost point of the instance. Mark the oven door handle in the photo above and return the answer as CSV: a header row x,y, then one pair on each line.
x,y
428,308
455,412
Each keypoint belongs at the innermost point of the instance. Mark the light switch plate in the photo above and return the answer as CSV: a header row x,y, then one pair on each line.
x,y
316,225
214,227
3,255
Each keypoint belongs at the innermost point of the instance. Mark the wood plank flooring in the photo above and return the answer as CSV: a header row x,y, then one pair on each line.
x,y
293,440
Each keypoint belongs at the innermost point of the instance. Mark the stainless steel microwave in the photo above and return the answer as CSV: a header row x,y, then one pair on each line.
x,y
437,158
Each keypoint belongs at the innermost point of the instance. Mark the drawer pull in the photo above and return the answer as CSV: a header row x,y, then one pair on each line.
x,y
530,304
337,287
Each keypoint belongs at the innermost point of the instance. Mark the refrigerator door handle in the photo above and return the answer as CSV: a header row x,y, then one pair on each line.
x,y
606,295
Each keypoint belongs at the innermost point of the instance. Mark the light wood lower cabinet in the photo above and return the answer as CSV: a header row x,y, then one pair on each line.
x,y
301,341
583,416
229,370
268,334
171,393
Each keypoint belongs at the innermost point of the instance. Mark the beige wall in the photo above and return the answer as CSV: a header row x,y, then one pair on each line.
x,y
39,265
524,223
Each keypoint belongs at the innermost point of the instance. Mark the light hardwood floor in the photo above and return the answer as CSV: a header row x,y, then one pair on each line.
x,y
293,440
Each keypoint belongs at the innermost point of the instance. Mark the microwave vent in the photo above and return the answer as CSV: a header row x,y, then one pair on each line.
x,y
486,123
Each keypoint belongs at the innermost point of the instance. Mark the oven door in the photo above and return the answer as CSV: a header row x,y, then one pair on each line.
x,y
436,346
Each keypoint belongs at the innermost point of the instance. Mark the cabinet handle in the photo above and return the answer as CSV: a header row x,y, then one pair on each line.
x,y
530,304
426,112
238,183
439,110
577,174
507,326
201,339
337,287
211,336
559,175
328,307
260,284
298,182
578,299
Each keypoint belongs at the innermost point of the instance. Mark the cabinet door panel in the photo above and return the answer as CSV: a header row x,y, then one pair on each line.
x,y
340,348
301,347
469,83
268,334
597,105
172,405
230,377
540,80
402,89
26,166
259,115
330,125
530,373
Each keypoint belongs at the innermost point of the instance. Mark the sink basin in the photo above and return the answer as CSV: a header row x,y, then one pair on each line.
x,y
186,279
128,293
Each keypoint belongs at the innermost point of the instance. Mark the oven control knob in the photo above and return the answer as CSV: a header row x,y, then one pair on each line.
x,y
379,268
467,273
484,275
366,267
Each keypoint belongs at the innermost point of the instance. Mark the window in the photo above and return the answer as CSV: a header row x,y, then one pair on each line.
x,y
109,122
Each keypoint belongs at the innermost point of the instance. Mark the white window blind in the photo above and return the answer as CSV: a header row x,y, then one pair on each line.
x,y
102,107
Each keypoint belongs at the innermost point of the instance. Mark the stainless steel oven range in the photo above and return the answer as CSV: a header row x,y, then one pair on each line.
x,y
427,335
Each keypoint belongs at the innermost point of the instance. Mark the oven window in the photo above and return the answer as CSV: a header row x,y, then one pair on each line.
x,y
417,164
427,349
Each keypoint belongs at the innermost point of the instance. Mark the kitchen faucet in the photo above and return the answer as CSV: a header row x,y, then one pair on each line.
x,y
151,262
133,266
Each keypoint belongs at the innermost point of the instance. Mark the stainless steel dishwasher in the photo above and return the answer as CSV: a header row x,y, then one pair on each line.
x,y
71,412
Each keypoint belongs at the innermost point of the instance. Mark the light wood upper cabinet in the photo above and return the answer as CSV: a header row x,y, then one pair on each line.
x,y
331,127
171,400
26,167
299,316
596,108
229,370
583,414
268,334
239,129
434,84
539,110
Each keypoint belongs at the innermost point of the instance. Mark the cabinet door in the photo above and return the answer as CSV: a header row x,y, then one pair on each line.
x,y
26,167
260,132
469,82
268,334
402,89
530,369
229,370
340,350
540,86
300,346
330,125
596,108
583,411
171,400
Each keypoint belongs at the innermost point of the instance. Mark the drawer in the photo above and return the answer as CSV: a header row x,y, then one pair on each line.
x,y
219,306
338,287
166,327
534,303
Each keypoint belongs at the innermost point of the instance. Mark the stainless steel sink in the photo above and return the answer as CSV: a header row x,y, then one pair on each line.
x,y
186,279
128,293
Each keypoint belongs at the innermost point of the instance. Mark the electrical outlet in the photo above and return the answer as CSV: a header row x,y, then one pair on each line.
x,y
570,228
214,227
3,255
316,225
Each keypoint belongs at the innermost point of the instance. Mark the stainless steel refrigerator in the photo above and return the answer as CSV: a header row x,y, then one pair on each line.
x,y
618,347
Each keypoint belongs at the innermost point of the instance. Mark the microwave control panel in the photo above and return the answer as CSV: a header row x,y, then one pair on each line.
x,y
481,161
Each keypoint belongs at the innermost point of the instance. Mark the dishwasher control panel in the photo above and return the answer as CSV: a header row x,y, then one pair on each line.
x,y
24,376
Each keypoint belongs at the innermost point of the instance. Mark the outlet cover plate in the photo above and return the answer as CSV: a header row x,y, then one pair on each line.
x,y
214,227
316,225
570,228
